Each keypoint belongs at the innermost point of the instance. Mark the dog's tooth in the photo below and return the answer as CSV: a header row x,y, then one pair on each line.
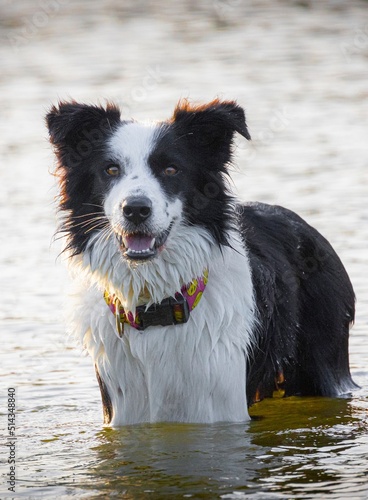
x,y
152,244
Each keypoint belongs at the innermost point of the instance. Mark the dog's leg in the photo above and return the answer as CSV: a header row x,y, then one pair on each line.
x,y
106,401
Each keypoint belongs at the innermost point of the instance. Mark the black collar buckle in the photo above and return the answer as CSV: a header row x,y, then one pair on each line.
x,y
171,311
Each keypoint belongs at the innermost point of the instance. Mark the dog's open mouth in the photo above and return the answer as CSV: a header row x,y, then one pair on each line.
x,y
142,246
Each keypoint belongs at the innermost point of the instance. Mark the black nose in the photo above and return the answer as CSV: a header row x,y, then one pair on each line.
x,y
137,209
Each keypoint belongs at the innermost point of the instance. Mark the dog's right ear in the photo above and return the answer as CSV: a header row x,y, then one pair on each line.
x,y
210,130
77,127
219,119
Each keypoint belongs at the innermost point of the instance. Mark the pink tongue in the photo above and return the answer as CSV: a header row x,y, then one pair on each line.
x,y
138,242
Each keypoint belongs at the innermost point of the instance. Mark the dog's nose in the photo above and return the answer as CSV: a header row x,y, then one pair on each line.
x,y
137,209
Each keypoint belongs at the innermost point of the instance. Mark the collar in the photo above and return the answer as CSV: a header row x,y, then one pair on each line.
x,y
171,311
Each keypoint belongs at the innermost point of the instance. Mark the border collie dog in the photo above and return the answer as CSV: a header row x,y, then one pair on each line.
x,y
191,305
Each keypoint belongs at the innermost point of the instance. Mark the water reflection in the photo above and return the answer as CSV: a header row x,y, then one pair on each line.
x,y
293,446
180,456
316,440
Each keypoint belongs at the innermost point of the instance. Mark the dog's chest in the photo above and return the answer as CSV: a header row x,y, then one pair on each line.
x,y
189,372
192,372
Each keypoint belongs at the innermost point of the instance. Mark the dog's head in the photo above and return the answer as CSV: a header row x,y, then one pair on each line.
x,y
137,183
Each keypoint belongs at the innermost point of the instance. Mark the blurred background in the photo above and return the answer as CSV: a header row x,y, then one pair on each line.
x,y
298,67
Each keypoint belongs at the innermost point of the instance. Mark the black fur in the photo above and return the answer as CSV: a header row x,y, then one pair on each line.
x,y
79,133
106,400
198,140
305,306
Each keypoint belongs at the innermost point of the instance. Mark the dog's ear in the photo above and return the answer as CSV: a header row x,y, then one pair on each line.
x,y
213,121
209,129
78,127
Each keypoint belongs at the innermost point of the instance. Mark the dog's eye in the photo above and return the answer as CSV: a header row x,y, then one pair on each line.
x,y
113,170
170,171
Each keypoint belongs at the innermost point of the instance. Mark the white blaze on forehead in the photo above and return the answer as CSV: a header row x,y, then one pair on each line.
x,y
132,144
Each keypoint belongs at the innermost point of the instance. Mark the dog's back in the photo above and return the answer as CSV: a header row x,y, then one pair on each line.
x,y
305,305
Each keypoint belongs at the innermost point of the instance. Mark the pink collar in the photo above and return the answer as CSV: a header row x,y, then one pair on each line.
x,y
171,311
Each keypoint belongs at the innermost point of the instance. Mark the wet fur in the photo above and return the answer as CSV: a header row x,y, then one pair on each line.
x,y
278,306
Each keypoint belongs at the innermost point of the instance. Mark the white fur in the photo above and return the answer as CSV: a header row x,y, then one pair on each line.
x,y
194,372
131,145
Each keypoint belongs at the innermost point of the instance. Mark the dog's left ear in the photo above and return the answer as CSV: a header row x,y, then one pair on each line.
x,y
213,121
76,128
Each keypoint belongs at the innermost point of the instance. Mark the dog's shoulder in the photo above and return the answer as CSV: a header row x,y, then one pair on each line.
x,y
305,303
281,244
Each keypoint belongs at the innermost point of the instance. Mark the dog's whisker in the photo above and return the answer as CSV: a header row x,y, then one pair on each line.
x,y
94,220
92,205
101,214
93,228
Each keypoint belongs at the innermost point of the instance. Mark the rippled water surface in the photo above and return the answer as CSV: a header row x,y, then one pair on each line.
x,y
300,70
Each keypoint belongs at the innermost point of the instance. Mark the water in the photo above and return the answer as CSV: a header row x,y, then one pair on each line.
x,y
301,73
